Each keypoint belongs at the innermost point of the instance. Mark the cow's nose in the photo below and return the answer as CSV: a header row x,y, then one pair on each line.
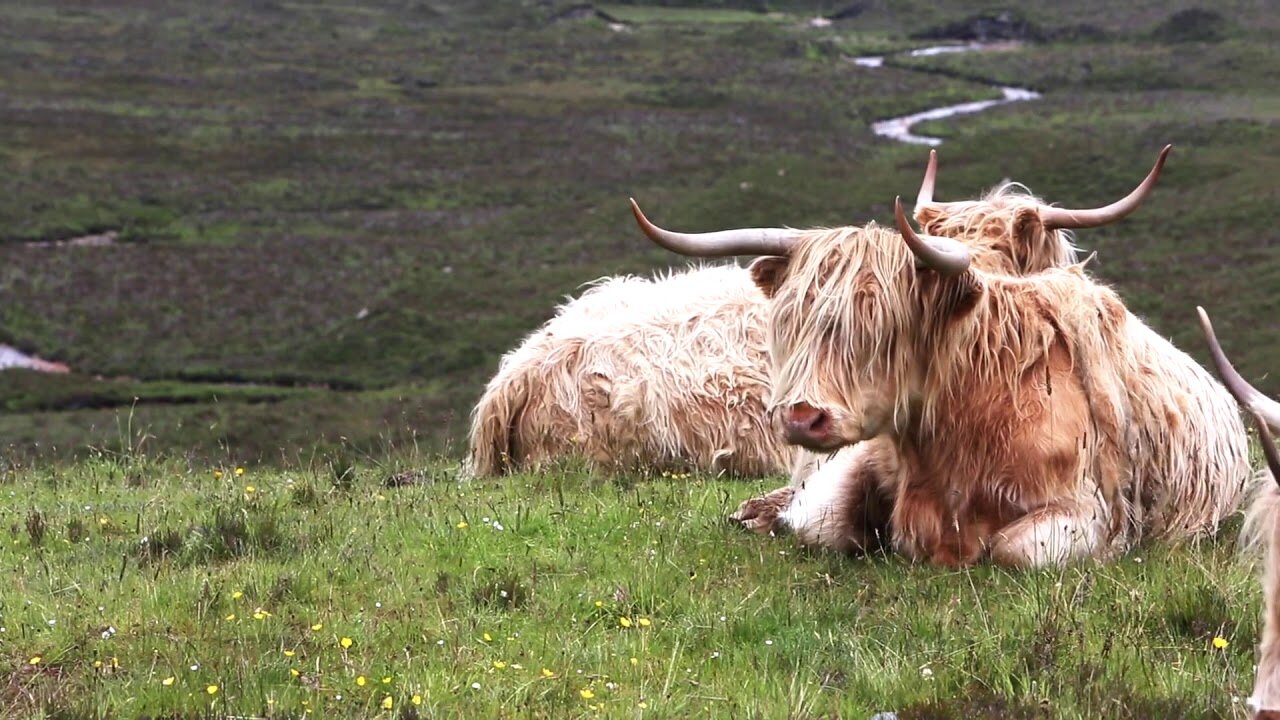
x,y
807,425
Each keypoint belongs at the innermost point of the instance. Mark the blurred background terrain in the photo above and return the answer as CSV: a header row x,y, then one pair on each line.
x,y
270,230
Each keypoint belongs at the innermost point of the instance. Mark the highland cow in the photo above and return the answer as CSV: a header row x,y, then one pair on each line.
x,y
638,374
842,511
1262,525
1021,409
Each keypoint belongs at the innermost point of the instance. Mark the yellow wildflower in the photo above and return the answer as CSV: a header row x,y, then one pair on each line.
x,y
250,489
212,689
237,595
642,705
345,643
417,699
317,627
498,665
35,660
168,681
217,474
488,637
1220,643
361,681
644,622
547,673
635,661
239,472
386,680
294,672
599,603
230,617
290,653
462,525
387,702
624,621
586,693
97,664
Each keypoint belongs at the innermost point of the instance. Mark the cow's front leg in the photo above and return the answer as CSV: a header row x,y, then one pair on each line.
x,y
845,504
928,529
760,514
1055,534
812,475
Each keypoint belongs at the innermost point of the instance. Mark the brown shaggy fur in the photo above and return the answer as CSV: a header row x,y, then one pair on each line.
x,y
1037,420
1005,220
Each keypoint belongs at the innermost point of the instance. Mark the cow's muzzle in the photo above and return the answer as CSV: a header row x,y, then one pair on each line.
x,y
810,427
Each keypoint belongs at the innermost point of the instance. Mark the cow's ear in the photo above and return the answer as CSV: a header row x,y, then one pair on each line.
x,y
1027,227
968,291
767,273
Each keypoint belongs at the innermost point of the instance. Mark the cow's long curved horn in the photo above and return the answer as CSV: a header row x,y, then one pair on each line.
x,y
925,195
941,254
723,243
1265,408
1066,218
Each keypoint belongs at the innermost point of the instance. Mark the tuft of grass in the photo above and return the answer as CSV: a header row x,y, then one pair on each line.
x,y
36,527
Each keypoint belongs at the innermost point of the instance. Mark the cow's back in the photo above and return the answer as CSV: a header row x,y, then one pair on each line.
x,y
1187,439
637,372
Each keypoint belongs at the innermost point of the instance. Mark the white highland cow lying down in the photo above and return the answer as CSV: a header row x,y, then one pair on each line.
x,y
668,372
1262,525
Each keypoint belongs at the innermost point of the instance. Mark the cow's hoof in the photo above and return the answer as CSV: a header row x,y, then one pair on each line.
x,y
760,514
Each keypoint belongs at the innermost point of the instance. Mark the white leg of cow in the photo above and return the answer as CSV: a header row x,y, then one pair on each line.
x,y
820,497
843,505
761,514
1055,534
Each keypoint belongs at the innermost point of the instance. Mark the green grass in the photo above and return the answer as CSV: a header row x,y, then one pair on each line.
x,y
462,594
384,197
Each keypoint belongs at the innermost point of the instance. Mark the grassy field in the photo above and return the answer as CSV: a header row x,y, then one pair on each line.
x,y
143,588
333,219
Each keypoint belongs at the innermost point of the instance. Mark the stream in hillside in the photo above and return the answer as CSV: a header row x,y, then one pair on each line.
x,y
899,128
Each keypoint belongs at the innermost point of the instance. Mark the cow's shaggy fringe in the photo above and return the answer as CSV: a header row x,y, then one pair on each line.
x,y
854,324
637,372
